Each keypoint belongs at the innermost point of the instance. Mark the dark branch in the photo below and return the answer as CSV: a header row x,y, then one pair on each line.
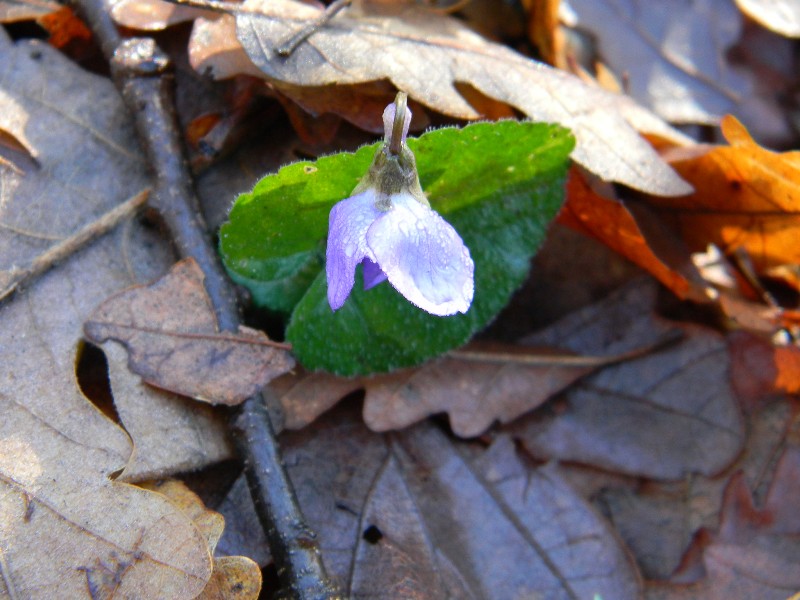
x,y
141,73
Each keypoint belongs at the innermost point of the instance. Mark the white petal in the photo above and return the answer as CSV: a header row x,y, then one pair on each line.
x,y
423,257
347,245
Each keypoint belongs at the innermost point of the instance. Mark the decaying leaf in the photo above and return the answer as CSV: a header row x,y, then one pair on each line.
x,y
171,434
170,331
424,54
760,369
746,197
659,520
413,514
755,551
61,191
662,416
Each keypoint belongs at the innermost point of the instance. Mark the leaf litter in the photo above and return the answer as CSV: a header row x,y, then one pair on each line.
x,y
754,535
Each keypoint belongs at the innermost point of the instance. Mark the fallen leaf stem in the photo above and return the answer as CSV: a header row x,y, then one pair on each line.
x,y
73,243
563,360
141,73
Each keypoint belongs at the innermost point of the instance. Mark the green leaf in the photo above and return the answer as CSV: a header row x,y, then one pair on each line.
x,y
499,185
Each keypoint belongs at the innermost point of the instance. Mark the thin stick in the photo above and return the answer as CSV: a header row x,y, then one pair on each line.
x,y
140,71
563,360
290,45
64,249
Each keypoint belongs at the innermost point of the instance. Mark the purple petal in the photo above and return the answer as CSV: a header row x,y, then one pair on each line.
x,y
423,257
372,274
347,246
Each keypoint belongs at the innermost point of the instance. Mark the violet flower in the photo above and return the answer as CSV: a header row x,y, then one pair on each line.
x,y
388,226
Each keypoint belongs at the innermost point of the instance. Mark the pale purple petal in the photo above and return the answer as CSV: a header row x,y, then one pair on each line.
x,y
372,274
423,257
347,246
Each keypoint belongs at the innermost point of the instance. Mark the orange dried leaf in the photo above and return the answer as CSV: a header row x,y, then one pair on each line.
x,y
610,222
745,197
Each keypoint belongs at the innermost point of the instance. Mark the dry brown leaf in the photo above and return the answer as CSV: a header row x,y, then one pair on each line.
x,y
153,15
674,58
755,551
68,529
25,10
413,515
661,416
658,520
62,191
425,54
746,197
760,369
234,577
171,434
170,331
612,223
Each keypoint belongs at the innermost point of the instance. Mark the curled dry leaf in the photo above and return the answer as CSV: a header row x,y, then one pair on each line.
x,y
746,197
661,416
475,386
425,54
25,10
610,221
412,515
170,331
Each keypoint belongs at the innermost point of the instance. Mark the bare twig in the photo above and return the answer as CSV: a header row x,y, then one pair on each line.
x,y
42,263
533,359
140,72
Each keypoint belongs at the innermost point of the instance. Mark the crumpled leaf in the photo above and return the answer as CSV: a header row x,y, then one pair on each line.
x,y
746,197
760,369
661,416
424,54
60,191
416,515
170,331
674,57
781,16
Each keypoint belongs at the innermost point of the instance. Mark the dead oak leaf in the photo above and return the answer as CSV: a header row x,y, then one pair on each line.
x,y
68,529
427,54
745,197
171,333
661,416
415,514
